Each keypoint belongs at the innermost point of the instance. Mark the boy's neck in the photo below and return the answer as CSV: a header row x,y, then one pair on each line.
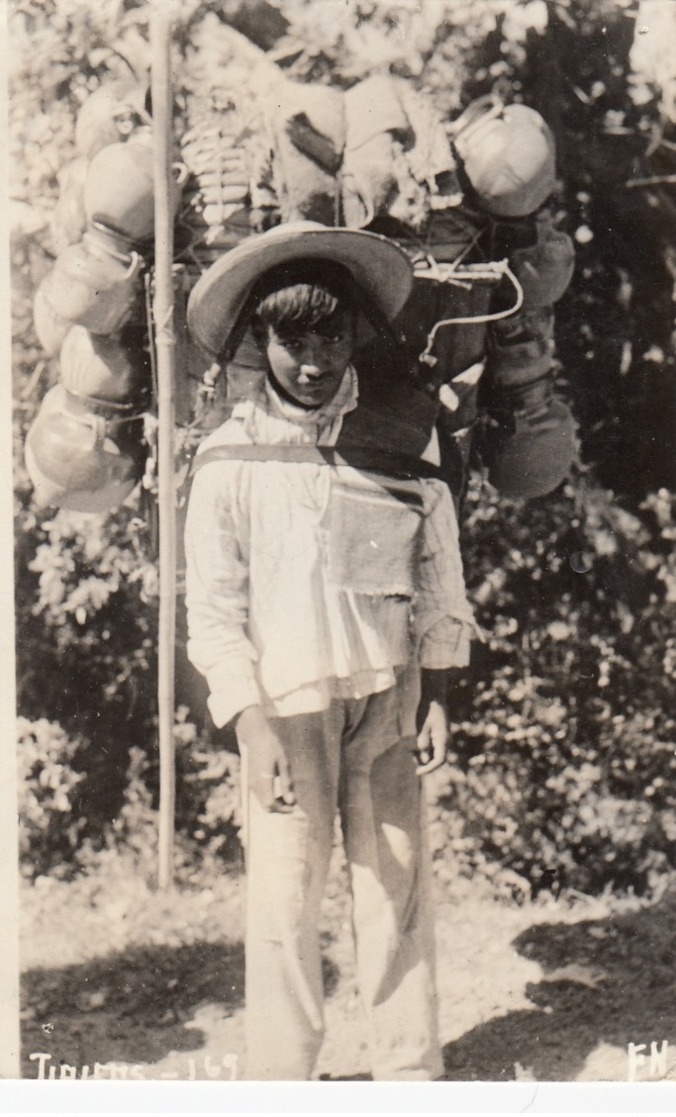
x,y
288,398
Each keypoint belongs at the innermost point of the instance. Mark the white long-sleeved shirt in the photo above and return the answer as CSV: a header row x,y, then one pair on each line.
x,y
267,622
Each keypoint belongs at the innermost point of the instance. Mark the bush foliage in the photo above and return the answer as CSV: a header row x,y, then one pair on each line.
x,y
564,729
566,738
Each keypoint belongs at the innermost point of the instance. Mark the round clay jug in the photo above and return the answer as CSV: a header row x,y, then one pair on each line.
x,y
533,449
508,155
99,368
81,460
69,220
50,327
119,188
114,111
93,285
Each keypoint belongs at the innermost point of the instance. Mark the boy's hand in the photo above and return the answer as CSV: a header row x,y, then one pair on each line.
x,y
269,774
433,739
432,720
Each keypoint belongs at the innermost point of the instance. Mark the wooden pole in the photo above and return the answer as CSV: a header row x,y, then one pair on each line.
x,y
163,318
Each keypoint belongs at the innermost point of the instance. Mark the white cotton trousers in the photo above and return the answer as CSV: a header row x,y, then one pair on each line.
x,y
356,758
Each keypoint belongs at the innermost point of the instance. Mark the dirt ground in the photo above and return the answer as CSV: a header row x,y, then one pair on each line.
x,y
123,982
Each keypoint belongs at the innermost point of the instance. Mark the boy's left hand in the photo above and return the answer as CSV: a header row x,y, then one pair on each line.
x,y
433,739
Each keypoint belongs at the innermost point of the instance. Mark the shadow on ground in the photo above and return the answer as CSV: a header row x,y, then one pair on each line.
x,y
129,1007
609,981
606,983
132,1007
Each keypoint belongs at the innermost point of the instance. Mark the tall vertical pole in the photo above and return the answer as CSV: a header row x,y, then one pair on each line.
x,y
163,318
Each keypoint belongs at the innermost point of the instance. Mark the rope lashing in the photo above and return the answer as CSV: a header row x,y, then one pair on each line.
x,y
464,277
164,333
205,394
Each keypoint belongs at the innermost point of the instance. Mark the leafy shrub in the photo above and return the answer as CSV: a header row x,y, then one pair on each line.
x,y
54,773
86,648
49,828
565,733
209,800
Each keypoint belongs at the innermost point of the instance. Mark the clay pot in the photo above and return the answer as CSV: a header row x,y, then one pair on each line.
x,y
81,460
93,285
119,188
113,112
521,363
69,220
508,155
50,327
545,269
534,446
99,368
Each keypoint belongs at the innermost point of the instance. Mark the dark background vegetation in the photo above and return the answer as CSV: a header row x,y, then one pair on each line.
x,y
564,725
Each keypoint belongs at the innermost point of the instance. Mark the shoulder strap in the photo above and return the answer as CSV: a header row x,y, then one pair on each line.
x,y
376,460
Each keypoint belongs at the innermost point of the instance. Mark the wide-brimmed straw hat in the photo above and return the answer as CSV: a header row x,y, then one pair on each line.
x,y
381,269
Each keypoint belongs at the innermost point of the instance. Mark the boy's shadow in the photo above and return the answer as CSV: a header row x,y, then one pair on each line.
x,y
610,981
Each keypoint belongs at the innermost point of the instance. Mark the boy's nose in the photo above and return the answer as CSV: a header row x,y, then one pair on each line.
x,y
311,369
311,360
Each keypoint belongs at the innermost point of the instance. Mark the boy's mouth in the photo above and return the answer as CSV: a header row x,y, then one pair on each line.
x,y
316,382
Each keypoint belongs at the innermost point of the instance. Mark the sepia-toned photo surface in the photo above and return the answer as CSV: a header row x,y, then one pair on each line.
x,y
345,636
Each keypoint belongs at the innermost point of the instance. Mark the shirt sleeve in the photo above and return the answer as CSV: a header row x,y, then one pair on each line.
x,y
443,619
217,581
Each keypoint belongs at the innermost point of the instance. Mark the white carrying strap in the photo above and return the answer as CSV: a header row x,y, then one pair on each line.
x,y
464,277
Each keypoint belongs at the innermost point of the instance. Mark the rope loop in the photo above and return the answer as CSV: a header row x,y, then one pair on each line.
x,y
464,277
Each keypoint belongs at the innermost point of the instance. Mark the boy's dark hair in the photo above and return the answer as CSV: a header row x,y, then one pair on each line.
x,y
305,295
310,294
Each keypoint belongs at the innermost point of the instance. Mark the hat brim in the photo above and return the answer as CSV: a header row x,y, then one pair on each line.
x,y
380,267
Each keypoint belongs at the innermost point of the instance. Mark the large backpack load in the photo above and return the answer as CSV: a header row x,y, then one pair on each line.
x,y
468,200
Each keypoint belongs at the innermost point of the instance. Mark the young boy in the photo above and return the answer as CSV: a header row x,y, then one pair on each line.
x,y
326,606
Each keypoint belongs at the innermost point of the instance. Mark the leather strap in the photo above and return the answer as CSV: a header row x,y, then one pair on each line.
x,y
366,458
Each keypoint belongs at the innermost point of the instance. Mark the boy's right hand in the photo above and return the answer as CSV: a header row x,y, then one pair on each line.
x,y
269,773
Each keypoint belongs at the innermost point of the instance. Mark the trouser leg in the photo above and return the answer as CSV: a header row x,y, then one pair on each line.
x,y
382,814
287,860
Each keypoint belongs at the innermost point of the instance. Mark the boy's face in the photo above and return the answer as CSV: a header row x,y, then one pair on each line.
x,y
310,366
